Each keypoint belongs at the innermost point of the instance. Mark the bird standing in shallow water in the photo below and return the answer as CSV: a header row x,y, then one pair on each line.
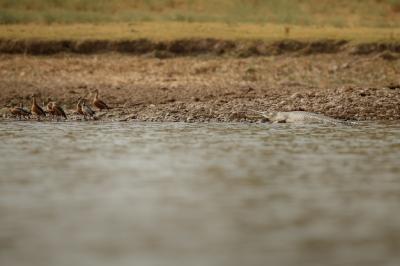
x,y
99,103
36,109
57,110
78,109
20,111
49,109
25,111
87,111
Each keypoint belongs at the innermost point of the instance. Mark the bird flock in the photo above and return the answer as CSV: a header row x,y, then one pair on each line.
x,y
54,111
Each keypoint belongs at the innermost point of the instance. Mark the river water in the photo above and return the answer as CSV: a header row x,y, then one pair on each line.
x,y
199,194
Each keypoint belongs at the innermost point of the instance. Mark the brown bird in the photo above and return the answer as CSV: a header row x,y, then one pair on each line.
x,y
87,111
57,110
78,109
36,109
25,111
21,105
20,111
48,105
99,103
49,109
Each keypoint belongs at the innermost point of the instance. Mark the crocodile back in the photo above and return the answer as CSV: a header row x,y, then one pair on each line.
x,y
307,117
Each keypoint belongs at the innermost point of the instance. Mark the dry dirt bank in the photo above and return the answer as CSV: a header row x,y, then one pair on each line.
x,y
197,46
209,88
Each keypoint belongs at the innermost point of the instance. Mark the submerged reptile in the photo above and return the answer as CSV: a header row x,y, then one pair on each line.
x,y
300,117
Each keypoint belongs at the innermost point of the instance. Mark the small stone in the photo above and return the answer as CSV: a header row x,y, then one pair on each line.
x,y
345,65
394,86
334,68
189,119
171,100
296,95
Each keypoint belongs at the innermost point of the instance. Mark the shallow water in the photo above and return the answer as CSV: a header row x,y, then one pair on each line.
x,y
199,194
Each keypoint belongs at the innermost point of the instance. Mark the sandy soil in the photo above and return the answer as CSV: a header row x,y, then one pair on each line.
x,y
208,88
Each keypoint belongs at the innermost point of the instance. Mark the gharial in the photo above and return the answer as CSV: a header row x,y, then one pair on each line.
x,y
300,117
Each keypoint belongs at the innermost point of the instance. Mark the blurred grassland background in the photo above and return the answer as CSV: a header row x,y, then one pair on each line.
x,y
336,13
353,20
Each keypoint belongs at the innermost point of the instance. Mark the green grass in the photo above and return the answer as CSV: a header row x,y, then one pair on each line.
x,y
338,13
184,30
355,20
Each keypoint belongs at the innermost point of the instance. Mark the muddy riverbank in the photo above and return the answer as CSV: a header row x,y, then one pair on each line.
x,y
208,88
197,46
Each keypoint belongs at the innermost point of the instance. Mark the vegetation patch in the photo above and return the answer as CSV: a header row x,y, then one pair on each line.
x,y
173,38
338,13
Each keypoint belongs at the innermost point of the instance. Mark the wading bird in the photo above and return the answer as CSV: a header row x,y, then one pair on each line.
x,y
20,111
22,108
78,109
49,109
57,110
36,109
87,111
99,103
